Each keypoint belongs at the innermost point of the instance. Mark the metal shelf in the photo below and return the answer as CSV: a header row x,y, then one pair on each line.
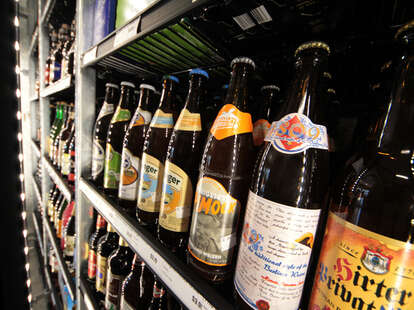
x,y
48,8
87,294
57,87
62,264
35,38
192,291
37,190
58,180
35,148
38,232
53,293
35,97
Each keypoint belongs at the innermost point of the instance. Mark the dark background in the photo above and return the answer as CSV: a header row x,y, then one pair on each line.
x,y
13,275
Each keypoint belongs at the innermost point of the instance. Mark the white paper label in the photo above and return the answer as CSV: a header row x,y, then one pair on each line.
x,y
129,175
274,253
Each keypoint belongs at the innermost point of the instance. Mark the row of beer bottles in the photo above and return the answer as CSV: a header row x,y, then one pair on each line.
x,y
121,279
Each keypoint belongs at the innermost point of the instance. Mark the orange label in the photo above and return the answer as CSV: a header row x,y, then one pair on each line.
x,y
359,269
231,121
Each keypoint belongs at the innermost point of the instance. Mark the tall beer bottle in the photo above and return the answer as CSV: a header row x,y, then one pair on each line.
x,y
56,142
153,156
132,149
180,174
222,187
261,124
92,249
119,265
55,128
116,132
287,193
159,298
100,132
367,256
64,136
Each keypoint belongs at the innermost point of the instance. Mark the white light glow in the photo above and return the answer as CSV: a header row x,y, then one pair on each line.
x,y
22,196
24,214
20,157
19,136
27,266
402,176
26,250
29,298
21,177
17,46
17,69
25,233
19,115
28,282
16,21
18,93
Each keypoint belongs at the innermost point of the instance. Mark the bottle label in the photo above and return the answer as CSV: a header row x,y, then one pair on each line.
x,y
260,129
98,158
92,265
295,133
188,121
141,117
65,169
214,223
112,167
58,227
274,253
69,245
101,263
113,290
107,108
124,305
176,201
360,269
162,120
150,184
129,175
231,121
57,69
121,115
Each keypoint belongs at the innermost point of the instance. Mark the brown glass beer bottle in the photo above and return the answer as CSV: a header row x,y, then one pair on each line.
x,y
287,193
367,256
223,182
132,149
181,167
153,156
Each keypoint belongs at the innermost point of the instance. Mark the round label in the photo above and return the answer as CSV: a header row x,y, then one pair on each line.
x,y
129,175
98,158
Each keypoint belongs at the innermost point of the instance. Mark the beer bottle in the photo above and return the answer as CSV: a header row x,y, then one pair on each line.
x,y
223,181
72,154
59,218
64,136
153,156
180,174
132,149
119,265
56,208
287,193
65,219
159,300
56,127
56,141
93,244
69,236
265,115
366,260
107,244
100,132
116,132
52,200
137,286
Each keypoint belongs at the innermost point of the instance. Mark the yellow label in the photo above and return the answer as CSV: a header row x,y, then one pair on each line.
x,y
176,201
101,264
188,121
359,269
150,184
162,120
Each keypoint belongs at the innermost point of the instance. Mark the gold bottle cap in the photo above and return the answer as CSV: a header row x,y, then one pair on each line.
x,y
245,60
313,44
327,75
404,28
273,87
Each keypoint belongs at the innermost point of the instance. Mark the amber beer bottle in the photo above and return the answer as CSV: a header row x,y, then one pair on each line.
x,y
119,265
367,256
100,133
132,149
92,249
180,174
153,156
262,122
287,193
159,298
116,132
222,187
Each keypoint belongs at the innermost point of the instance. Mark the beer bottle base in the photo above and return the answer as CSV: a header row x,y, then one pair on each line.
x,y
128,206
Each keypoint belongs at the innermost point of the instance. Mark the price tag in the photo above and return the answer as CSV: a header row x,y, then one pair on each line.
x,y
126,32
89,56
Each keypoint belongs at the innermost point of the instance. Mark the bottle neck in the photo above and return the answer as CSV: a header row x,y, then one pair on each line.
x,y
127,98
168,102
196,94
158,291
304,95
237,94
269,100
111,95
100,222
145,99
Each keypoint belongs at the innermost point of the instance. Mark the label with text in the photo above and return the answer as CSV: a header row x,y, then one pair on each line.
x,y
92,265
112,167
231,121
121,115
188,121
69,246
274,253
129,176
141,117
113,290
162,120
100,284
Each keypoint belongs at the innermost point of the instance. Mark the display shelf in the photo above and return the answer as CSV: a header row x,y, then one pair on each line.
x,y
57,87
62,264
35,97
193,292
53,293
47,11
35,38
37,190
87,294
36,148
156,42
37,226
58,180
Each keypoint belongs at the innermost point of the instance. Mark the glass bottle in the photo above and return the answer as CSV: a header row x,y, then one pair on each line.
x,y
69,237
159,300
92,249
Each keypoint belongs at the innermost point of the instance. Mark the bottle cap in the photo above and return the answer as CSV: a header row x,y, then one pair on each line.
x,y
147,86
245,60
403,29
327,75
200,72
225,86
273,87
171,77
129,84
313,44
112,85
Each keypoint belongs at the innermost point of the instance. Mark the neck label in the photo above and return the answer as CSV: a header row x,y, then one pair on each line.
x,y
231,121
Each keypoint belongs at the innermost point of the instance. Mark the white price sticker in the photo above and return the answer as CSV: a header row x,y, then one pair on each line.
x,y
90,56
126,32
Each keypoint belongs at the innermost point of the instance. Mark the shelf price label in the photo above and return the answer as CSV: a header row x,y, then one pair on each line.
x,y
127,32
89,56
